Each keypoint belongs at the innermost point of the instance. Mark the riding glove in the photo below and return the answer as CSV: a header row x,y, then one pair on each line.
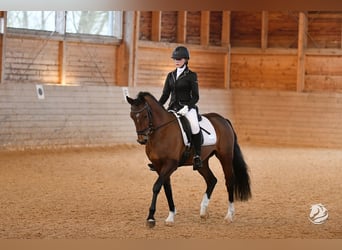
x,y
183,110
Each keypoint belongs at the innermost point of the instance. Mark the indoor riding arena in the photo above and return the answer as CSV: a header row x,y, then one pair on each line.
x,y
70,163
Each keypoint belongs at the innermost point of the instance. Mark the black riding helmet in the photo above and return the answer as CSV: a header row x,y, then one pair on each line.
x,y
180,52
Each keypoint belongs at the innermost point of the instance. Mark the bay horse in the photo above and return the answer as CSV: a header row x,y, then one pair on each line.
x,y
160,132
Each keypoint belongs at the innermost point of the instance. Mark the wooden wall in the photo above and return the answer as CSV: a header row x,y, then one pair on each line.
x,y
31,60
99,116
153,62
324,29
91,64
68,116
282,29
276,75
44,59
266,50
276,71
288,118
245,29
193,29
229,49
323,72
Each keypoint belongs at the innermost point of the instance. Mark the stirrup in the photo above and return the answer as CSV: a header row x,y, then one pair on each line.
x,y
197,162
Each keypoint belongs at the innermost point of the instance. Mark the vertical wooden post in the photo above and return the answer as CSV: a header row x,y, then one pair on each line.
x,y
264,30
302,42
134,48
341,37
124,56
225,41
181,26
62,61
227,67
3,15
225,33
205,26
156,26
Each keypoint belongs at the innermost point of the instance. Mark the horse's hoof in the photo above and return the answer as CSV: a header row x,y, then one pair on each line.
x,y
204,216
169,223
228,219
150,223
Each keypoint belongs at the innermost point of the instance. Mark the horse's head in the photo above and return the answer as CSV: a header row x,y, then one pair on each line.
x,y
142,117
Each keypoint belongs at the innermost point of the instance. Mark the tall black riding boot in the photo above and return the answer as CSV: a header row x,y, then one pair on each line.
x,y
196,139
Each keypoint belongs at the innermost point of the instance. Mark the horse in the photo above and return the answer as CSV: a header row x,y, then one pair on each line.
x,y
158,129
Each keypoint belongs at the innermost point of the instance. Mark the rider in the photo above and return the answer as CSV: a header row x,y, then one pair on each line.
x,y
182,85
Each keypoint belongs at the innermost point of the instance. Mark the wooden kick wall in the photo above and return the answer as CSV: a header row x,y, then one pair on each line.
x,y
68,116
99,116
288,118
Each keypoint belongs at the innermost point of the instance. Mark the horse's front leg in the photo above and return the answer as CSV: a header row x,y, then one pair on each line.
x,y
151,222
163,180
170,220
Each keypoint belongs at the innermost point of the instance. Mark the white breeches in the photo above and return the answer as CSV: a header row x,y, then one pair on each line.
x,y
193,119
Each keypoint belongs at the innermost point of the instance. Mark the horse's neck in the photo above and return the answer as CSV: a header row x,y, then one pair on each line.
x,y
158,112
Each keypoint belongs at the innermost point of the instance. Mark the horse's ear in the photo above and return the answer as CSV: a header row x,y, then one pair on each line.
x,y
129,100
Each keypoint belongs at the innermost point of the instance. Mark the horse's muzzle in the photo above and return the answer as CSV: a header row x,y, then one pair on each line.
x,y
142,139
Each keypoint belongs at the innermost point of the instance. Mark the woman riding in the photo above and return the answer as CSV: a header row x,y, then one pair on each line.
x,y
182,85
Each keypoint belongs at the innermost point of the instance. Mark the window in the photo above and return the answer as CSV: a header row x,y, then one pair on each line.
x,y
36,20
103,23
106,23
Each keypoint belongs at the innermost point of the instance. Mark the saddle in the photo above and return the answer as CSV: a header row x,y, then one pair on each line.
x,y
208,134
207,130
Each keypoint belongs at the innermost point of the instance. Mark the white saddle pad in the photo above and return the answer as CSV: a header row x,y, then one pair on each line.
x,y
208,131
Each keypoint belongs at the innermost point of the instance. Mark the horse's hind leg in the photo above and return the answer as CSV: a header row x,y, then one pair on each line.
x,y
231,209
211,181
227,166
230,188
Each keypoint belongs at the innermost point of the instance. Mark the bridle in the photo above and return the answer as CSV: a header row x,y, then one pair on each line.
x,y
150,129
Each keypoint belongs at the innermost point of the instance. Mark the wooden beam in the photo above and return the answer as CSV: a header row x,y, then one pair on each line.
x,y
181,26
302,42
133,67
225,42
227,74
3,46
225,33
156,26
264,30
124,56
62,61
205,26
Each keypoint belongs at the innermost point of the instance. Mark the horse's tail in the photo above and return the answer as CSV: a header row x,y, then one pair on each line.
x,y
242,189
